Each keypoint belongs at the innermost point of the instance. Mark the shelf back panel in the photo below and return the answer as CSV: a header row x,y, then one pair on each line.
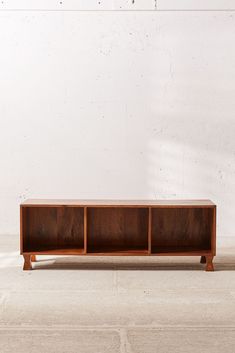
x,y
182,228
53,228
117,228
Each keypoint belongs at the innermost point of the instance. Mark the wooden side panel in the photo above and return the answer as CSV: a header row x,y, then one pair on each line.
x,y
150,230
85,230
22,225
213,235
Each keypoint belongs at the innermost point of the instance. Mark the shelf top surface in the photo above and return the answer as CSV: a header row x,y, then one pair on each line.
x,y
122,203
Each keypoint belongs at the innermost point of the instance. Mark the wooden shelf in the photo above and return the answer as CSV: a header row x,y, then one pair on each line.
x,y
65,251
118,252
118,228
179,251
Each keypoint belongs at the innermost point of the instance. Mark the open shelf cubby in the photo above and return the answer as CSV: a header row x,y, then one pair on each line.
x,y
181,230
96,227
117,229
53,229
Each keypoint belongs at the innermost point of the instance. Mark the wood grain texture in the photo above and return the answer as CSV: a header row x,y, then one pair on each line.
x,y
70,227
209,263
56,251
85,230
33,258
203,260
181,228
48,228
27,262
121,203
150,230
117,229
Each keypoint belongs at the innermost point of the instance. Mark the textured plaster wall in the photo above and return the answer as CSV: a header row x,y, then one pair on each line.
x,y
117,5
117,105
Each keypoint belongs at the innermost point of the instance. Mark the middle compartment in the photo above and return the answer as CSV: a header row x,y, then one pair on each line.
x,y
117,230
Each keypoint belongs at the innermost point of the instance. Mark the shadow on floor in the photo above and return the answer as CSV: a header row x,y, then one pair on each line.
x,y
72,263
138,264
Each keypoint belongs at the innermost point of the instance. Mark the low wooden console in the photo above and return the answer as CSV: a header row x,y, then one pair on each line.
x,y
99,227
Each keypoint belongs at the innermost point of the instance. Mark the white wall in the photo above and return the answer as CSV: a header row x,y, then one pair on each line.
x,y
117,5
117,105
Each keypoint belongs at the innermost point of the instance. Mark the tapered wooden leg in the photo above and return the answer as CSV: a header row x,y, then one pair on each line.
x,y
33,258
27,263
203,260
209,263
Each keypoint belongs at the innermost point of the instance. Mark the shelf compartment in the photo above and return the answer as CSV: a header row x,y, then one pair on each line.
x,y
181,230
117,230
48,229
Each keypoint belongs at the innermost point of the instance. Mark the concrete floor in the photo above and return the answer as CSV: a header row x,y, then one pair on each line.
x,y
116,305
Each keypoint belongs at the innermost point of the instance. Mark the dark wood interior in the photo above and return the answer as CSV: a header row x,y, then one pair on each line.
x,y
73,227
181,229
118,229
52,228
